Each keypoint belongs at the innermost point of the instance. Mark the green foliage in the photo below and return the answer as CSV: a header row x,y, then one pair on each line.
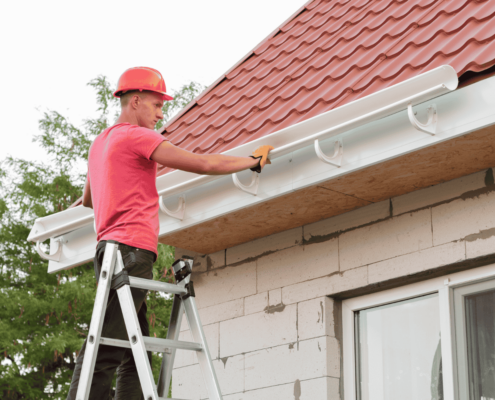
x,y
44,318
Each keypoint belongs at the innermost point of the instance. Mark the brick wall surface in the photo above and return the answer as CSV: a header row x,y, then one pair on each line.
x,y
270,320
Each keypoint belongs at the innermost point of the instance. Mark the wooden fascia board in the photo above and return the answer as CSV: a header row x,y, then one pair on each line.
x,y
436,164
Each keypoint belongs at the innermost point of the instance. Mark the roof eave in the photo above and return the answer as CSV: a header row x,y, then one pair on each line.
x,y
296,174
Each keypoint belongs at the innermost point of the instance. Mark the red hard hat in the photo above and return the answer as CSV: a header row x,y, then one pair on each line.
x,y
142,78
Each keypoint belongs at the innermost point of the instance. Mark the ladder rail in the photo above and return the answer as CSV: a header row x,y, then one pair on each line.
x,y
96,325
173,333
137,343
204,357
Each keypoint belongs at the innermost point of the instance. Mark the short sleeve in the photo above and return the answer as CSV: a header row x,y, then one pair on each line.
x,y
144,141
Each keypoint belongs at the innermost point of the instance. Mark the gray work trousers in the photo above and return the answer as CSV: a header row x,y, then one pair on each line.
x,y
139,263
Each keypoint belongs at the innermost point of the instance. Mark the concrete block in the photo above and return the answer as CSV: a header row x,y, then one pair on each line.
x,y
461,218
315,318
212,333
215,260
332,389
438,193
256,303
309,359
481,245
297,264
348,280
230,374
188,383
258,331
203,262
268,244
412,263
391,238
184,358
225,284
275,297
325,286
313,389
318,231
222,312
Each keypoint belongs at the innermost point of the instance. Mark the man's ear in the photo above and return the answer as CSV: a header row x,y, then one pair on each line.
x,y
135,101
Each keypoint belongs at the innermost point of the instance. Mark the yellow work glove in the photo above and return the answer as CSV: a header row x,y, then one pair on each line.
x,y
261,153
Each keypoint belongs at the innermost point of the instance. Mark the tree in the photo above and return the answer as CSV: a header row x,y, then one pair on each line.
x,y
44,318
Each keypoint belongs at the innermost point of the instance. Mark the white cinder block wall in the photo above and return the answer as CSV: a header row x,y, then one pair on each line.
x,y
266,305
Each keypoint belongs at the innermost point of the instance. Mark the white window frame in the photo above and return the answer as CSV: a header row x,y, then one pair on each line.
x,y
444,286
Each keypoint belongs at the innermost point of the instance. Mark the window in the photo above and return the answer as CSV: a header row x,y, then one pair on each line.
x,y
399,353
474,308
430,340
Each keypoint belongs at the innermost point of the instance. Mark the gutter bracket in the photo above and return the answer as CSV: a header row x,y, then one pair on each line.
x,y
179,212
252,188
51,257
431,125
336,158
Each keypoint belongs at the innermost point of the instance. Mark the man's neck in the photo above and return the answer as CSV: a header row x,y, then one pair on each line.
x,y
126,117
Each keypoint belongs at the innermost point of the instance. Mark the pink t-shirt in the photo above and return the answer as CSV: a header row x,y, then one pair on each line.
x,y
123,189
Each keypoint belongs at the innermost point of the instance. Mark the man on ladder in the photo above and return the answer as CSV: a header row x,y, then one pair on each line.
x,y
120,187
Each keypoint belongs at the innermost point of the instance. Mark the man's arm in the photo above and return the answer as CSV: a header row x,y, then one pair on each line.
x,y
206,164
87,201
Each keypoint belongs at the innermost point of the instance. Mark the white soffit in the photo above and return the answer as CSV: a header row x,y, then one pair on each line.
x,y
372,130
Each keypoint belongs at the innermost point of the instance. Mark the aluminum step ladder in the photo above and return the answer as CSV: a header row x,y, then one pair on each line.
x,y
114,276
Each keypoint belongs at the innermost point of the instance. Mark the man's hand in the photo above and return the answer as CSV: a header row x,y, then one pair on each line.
x,y
261,153
171,156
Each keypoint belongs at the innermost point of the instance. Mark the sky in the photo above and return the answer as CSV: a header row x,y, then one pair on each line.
x,y
51,49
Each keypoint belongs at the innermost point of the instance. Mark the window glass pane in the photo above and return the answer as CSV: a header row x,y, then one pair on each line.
x,y
480,335
398,351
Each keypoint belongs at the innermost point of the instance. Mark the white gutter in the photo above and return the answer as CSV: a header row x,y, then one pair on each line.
x,y
281,137
459,112
62,222
332,123
378,105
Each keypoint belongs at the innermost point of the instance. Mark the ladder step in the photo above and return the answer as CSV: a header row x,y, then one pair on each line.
x,y
155,344
149,284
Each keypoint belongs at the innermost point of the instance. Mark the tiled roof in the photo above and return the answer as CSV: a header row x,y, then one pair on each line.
x,y
330,53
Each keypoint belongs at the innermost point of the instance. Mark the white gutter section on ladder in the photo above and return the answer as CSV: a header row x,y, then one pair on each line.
x,y
370,131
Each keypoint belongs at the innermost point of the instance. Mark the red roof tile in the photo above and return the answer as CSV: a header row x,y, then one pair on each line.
x,y
331,53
